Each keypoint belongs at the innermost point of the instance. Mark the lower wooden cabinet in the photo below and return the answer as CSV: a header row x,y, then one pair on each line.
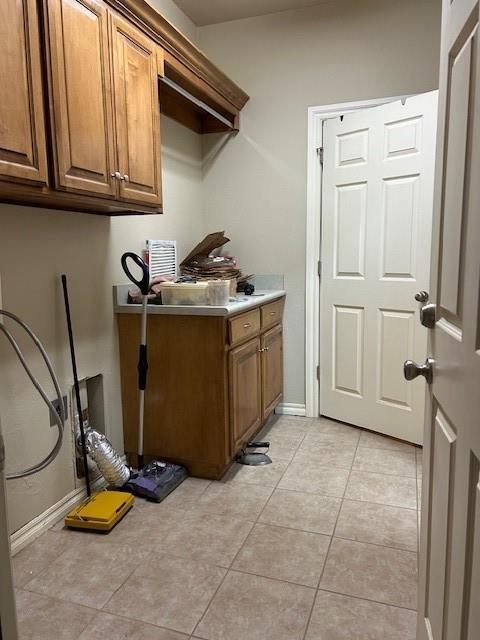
x,y
272,369
212,383
245,371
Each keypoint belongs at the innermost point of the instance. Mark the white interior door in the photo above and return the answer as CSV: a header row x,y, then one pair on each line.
x,y
449,606
377,200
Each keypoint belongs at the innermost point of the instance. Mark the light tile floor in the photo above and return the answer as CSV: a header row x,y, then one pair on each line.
x,y
320,545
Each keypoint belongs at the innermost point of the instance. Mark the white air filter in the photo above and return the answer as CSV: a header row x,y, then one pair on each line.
x,y
162,257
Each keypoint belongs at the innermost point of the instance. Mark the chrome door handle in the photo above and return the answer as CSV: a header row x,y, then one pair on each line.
x,y
428,315
412,370
117,175
421,296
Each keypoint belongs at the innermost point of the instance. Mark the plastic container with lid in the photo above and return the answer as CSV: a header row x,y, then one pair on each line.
x,y
218,292
185,293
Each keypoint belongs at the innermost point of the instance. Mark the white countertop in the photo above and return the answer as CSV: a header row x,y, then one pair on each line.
x,y
242,303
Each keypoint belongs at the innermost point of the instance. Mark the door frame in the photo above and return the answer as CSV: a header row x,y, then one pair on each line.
x,y
316,116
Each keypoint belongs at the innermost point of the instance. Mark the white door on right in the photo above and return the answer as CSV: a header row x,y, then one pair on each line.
x,y
377,201
449,606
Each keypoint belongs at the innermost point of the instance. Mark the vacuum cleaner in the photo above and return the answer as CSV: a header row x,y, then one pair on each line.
x,y
157,479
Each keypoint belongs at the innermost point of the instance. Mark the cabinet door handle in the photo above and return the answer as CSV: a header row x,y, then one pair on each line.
x,y
116,175
126,178
246,325
263,349
273,313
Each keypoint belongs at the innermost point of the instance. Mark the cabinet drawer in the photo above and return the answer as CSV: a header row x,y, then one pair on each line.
x,y
272,313
241,327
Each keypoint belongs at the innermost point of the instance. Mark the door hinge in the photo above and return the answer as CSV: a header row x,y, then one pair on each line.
x,y
320,154
319,268
318,372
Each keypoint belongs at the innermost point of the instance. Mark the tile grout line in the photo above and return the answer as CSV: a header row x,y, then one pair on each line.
x,y
385,604
375,544
329,546
304,435
229,568
379,504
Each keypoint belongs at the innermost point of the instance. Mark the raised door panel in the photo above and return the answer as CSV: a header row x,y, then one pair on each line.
x,y
245,391
272,369
350,228
81,88
135,74
348,350
22,122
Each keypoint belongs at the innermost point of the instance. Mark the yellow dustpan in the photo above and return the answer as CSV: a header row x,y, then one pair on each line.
x,y
101,511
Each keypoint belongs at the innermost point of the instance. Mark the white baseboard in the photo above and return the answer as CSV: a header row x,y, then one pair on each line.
x,y
291,409
48,518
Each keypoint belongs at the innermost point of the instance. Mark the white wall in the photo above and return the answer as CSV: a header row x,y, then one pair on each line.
x,y
176,16
255,186
36,246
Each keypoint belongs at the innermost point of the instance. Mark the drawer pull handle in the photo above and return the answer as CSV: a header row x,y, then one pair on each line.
x,y
246,325
273,313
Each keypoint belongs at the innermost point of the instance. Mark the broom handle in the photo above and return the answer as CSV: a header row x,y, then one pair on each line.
x,y
75,382
142,379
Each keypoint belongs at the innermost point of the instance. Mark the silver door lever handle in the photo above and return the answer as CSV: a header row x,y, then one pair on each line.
x,y
412,370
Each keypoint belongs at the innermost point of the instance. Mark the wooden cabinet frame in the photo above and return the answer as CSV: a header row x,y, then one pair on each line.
x,y
23,154
245,377
199,387
136,101
83,181
83,145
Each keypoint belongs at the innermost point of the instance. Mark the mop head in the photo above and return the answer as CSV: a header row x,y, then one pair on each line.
x,y
156,480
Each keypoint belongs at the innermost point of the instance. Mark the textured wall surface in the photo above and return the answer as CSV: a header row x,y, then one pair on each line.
x,y
255,186
36,246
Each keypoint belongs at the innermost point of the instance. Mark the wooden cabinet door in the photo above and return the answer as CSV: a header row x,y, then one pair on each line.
x,y
272,369
22,122
245,391
81,89
136,108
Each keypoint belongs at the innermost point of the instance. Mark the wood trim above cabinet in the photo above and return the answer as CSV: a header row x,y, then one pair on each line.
x,y
183,49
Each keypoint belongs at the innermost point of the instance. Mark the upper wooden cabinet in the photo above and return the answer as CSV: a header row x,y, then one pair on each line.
x,y
22,123
82,103
95,65
135,81
109,143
